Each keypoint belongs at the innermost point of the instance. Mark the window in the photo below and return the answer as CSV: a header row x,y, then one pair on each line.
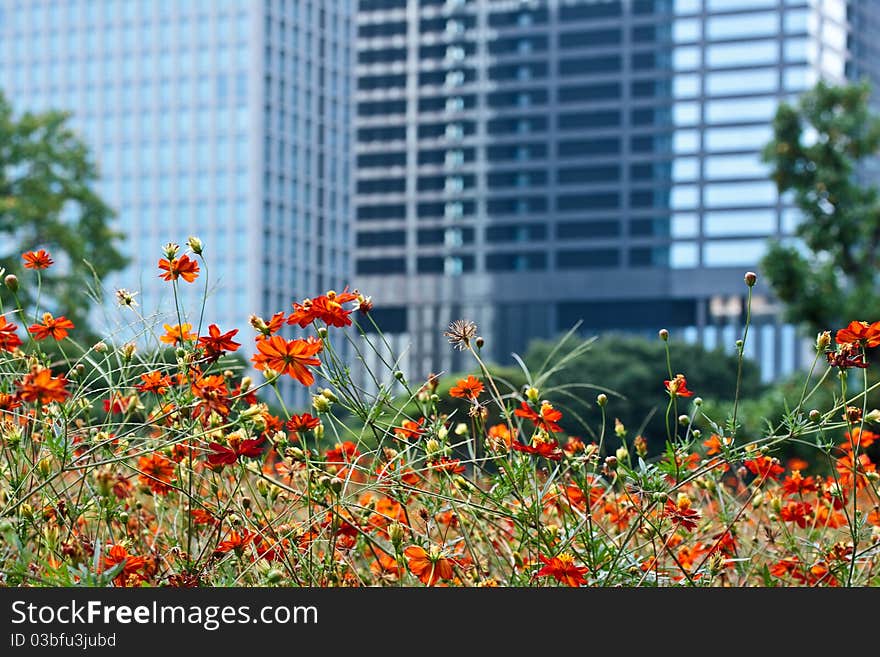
x,y
743,25
588,259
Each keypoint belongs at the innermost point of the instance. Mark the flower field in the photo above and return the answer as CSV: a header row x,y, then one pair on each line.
x,y
134,465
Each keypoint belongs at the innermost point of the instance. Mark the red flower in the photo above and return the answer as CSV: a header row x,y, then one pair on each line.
x,y
157,472
52,327
546,419
290,357
846,356
797,512
216,343
549,449
562,569
446,464
860,333
183,267
346,452
797,484
764,467
677,387
328,308
154,382
115,404
9,340
235,542
681,513
37,260
301,423
129,574
469,388
429,567
410,430
229,454
40,385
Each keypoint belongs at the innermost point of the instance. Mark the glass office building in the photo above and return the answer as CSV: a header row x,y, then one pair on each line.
x,y
226,119
534,164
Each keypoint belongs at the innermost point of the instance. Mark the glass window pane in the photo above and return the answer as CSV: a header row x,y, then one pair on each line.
x,y
731,253
742,54
740,109
731,82
739,222
738,194
743,25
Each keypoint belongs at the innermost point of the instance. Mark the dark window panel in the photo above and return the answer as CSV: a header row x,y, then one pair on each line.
x,y
588,259
371,160
516,232
590,38
370,266
381,212
626,314
587,202
586,175
516,261
588,229
382,238
388,319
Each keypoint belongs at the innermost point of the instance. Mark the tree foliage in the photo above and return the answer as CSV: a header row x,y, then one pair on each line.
x,y
47,200
816,153
631,370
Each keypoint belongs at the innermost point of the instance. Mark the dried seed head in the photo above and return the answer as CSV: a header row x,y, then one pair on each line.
x,y
460,333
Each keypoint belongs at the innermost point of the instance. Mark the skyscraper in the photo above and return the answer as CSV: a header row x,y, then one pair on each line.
x,y
225,119
532,164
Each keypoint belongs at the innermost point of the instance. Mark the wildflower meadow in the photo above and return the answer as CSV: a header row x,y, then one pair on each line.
x,y
170,460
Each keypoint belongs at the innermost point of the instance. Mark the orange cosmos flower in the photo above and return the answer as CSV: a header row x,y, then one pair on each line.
x,y
328,308
154,382
799,513
429,567
37,259
797,484
499,437
677,387
52,327
549,449
860,333
157,472
714,444
546,419
9,340
235,541
764,467
228,454
681,513
469,388
301,423
291,357
39,385
183,267
129,574
562,569
446,464
410,430
178,333
216,343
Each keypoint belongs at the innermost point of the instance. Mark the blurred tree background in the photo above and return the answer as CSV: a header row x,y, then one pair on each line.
x,y
48,200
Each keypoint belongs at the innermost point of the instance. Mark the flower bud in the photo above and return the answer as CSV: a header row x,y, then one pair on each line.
x,y
663,334
11,282
619,429
641,446
532,394
128,350
751,278
461,429
170,250
321,403
698,401
270,375
399,375
336,484
329,394
684,420
823,341
815,416
873,416
602,399
621,453
274,575
322,332
396,532
195,244
479,342
696,433
45,467
100,347
432,446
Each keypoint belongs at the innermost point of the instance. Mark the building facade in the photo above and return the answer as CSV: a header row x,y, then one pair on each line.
x,y
229,119
534,164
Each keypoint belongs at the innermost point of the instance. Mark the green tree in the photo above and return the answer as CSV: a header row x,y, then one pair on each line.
x,y
815,153
47,200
